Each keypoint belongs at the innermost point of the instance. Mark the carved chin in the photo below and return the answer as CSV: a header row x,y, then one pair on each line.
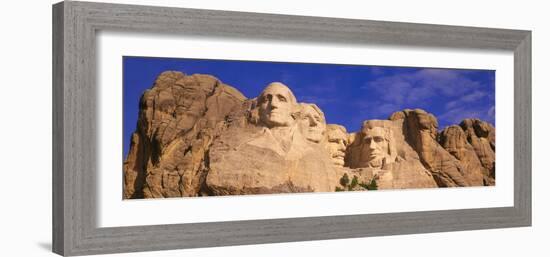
x,y
279,123
338,158
374,161
338,161
276,121
377,162
315,137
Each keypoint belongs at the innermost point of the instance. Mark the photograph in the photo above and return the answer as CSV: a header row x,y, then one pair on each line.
x,y
208,127
296,128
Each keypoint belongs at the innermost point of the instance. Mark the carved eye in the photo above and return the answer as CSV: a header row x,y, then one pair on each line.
x,y
378,139
281,98
265,98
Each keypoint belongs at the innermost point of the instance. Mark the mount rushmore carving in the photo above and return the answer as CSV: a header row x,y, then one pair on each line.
x,y
197,136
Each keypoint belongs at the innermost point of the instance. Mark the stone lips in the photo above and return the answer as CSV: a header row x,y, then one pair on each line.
x,y
197,136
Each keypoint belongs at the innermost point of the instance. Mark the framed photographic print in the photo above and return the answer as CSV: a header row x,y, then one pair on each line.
x,y
298,128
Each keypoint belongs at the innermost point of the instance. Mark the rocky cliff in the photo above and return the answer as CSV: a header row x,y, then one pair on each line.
x,y
197,136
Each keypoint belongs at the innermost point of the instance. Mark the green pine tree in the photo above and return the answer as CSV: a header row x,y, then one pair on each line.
x,y
354,182
373,185
344,181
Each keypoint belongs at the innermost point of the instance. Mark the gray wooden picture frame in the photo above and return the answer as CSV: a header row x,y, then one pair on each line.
x,y
75,25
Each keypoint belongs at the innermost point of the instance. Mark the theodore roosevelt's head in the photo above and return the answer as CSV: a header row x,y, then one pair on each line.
x,y
337,138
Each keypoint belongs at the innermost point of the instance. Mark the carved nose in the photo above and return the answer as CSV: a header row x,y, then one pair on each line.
x,y
372,144
342,145
312,122
274,103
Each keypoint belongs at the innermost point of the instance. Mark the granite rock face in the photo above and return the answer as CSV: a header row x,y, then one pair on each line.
x,y
453,139
420,130
197,136
252,163
481,136
178,119
473,144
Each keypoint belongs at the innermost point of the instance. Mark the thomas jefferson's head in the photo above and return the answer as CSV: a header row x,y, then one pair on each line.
x,y
312,122
276,105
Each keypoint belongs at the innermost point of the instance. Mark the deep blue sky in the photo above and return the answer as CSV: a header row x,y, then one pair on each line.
x,y
347,94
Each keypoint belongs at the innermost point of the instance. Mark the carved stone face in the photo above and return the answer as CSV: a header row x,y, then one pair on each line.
x,y
276,104
313,123
337,142
375,147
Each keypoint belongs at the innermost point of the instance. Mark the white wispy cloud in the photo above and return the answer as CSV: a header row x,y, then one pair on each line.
x,y
418,90
417,87
468,98
458,114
